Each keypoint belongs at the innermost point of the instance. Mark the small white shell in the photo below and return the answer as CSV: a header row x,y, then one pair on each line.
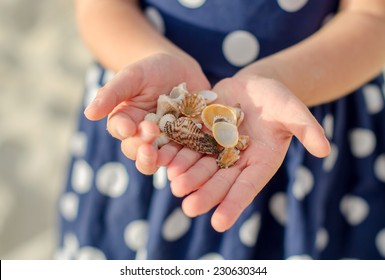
x,y
179,92
239,113
161,140
152,117
166,118
226,134
208,95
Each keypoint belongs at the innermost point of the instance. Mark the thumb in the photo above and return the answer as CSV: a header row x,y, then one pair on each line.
x,y
125,85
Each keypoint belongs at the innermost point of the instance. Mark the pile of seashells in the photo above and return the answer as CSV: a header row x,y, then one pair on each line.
x,y
182,117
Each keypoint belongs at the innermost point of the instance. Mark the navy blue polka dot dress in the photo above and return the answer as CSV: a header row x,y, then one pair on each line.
x,y
332,208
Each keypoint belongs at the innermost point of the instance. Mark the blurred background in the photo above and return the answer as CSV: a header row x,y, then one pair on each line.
x,y
42,66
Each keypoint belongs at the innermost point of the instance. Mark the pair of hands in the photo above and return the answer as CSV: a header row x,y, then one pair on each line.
x,y
272,116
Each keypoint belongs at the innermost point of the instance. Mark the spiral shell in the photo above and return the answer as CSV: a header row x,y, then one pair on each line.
x,y
185,132
192,105
225,133
228,157
217,110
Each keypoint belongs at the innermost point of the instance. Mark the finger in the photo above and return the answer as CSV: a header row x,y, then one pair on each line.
x,y
121,126
194,177
146,159
147,133
248,184
211,193
126,84
309,132
184,159
167,153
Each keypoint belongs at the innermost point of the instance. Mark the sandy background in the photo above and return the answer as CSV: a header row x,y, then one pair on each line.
x,y
42,65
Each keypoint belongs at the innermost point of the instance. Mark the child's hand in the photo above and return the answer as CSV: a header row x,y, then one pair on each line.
x,y
272,116
133,93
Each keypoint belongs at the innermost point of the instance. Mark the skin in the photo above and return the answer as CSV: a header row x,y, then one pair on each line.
x,y
275,93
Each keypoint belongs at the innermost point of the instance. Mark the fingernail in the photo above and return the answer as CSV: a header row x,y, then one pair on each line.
x,y
122,132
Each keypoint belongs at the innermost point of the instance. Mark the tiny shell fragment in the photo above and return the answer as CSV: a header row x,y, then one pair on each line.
x,y
228,157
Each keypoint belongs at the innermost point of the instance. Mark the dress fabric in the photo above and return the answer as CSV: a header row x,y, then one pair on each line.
x,y
330,208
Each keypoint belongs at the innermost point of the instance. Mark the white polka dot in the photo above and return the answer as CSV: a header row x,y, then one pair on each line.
x,y
303,183
112,179
82,176
328,125
240,48
136,235
212,256
155,19
330,160
362,142
69,204
292,5
374,99
379,168
176,225
159,178
90,253
79,144
249,230
380,242
278,207
192,4
300,257
141,254
322,239
69,249
354,209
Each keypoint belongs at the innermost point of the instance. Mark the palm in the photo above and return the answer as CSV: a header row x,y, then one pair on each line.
x,y
272,116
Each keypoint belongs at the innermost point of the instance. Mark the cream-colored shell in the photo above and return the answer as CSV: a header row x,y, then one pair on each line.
x,y
226,134
192,105
165,119
161,140
243,142
179,92
214,110
152,117
208,95
167,105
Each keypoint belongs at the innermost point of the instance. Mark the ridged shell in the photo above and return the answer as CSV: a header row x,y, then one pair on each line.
x,y
185,132
167,105
225,133
208,95
165,119
213,110
243,142
152,117
192,105
228,157
179,92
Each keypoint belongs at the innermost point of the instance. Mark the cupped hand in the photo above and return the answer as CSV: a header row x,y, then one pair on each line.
x,y
272,116
133,92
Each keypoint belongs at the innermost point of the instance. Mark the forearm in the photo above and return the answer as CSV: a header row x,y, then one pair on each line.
x,y
117,33
347,52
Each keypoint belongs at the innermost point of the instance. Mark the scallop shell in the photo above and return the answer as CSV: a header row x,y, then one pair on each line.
x,y
214,110
185,132
228,157
152,117
225,133
165,119
192,105
167,105
243,142
179,92
208,95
